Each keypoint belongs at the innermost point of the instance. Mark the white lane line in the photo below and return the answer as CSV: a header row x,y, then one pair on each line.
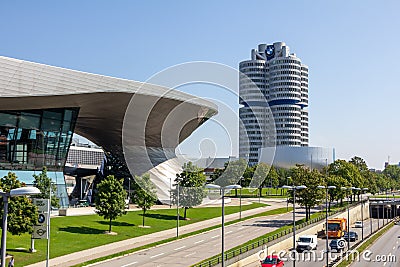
x,y
239,236
240,228
188,255
156,255
129,264
215,236
180,248
393,247
199,241
256,230
229,232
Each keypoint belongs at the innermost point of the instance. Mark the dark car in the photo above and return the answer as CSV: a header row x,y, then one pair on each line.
x,y
338,244
272,260
353,236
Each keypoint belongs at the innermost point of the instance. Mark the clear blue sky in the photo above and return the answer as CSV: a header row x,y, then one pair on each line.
x,y
351,48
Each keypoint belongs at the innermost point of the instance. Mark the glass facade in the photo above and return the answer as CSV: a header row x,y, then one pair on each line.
x,y
32,139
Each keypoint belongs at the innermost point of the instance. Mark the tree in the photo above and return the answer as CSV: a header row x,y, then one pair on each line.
x,y
337,193
44,183
22,213
310,196
260,175
191,181
110,199
144,193
349,172
232,172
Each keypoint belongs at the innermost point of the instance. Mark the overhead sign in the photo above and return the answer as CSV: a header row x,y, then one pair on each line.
x,y
40,229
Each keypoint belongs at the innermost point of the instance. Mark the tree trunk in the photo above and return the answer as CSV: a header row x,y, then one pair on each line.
x,y
184,215
144,212
235,194
260,189
109,228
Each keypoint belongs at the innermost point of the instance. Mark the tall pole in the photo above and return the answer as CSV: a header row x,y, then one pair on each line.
x,y
378,209
326,228
240,200
4,231
48,230
294,227
129,191
362,218
170,192
370,216
177,210
348,224
223,227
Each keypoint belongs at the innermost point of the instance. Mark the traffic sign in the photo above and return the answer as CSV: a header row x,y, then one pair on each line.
x,y
40,232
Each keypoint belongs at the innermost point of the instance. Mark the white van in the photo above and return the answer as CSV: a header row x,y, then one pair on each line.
x,y
307,242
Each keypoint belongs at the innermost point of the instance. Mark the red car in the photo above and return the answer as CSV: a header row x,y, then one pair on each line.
x,y
272,261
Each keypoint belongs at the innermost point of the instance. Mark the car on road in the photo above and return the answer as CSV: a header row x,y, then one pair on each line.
x,y
307,242
358,224
352,235
338,244
272,261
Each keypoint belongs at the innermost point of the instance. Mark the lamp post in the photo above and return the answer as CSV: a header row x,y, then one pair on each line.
x,y
170,192
348,215
222,188
326,219
178,180
362,210
129,191
17,192
287,197
240,199
294,188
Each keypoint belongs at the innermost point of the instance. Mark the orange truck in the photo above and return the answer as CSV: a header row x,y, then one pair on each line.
x,y
337,227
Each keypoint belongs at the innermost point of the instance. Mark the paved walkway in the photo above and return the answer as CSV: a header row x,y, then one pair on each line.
x,y
112,248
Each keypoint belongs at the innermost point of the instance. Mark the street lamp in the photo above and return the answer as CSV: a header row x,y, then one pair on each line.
x,y
178,180
326,218
287,197
17,192
348,215
362,211
222,188
294,188
240,199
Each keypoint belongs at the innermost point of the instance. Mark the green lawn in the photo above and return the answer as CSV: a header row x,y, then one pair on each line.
x,y
266,192
75,233
384,196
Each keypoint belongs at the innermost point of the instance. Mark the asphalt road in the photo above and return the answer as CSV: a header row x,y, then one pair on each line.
x,y
188,251
385,251
318,256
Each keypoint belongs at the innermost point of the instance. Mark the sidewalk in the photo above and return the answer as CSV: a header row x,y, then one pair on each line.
x,y
112,248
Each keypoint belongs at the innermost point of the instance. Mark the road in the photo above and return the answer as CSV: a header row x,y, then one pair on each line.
x,y
385,251
318,258
188,251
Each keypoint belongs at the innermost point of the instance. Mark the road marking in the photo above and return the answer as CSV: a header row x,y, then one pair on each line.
x,y
199,241
180,248
229,232
256,230
129,264
240,228
215,236
239,236
393,247
385,263
156,255
188,255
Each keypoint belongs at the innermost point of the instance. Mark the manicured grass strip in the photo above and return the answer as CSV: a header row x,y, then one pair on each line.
x,y
365,245
266,213
75,233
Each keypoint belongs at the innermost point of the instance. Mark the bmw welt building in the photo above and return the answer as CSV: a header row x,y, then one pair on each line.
x,y
42,106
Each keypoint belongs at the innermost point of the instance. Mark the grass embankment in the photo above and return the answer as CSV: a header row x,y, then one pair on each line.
x,y
364,246
75,233
266,213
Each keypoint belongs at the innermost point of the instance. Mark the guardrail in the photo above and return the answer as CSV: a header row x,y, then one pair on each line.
x,y
263,241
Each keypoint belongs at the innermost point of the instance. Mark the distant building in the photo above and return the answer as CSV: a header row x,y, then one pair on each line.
x,y
272,91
